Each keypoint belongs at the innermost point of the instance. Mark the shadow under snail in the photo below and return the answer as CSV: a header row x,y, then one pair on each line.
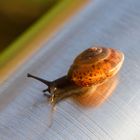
x,y
93,71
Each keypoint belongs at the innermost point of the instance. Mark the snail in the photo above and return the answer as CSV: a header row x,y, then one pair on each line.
x,y
92,70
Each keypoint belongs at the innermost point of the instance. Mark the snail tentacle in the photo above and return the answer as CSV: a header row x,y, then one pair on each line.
x,y
48,83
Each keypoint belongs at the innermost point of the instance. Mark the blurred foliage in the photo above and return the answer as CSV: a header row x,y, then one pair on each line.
x,y
17,15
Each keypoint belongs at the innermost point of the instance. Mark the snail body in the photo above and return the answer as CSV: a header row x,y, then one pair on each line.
x,y
90,70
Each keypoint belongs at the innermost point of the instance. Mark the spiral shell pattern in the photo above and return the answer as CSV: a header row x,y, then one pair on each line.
x,y
95,65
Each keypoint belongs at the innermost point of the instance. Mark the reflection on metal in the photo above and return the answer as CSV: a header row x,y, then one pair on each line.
x,y
98,95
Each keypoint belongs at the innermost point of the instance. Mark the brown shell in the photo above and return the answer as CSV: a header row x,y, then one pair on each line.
x,y
94,65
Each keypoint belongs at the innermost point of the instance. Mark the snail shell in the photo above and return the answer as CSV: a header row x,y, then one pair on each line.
x,y
95,65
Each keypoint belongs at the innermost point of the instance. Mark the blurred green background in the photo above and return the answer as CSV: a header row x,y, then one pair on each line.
x,y
17,15
26,24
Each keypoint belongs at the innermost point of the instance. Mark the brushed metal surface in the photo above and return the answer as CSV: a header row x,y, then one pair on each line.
x,y
24,113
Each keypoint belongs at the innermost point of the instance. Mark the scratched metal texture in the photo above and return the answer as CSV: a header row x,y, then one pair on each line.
x,y
24,112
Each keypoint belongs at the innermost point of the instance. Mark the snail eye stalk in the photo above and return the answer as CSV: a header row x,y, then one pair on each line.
x,y
48,83
46,90
47,95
